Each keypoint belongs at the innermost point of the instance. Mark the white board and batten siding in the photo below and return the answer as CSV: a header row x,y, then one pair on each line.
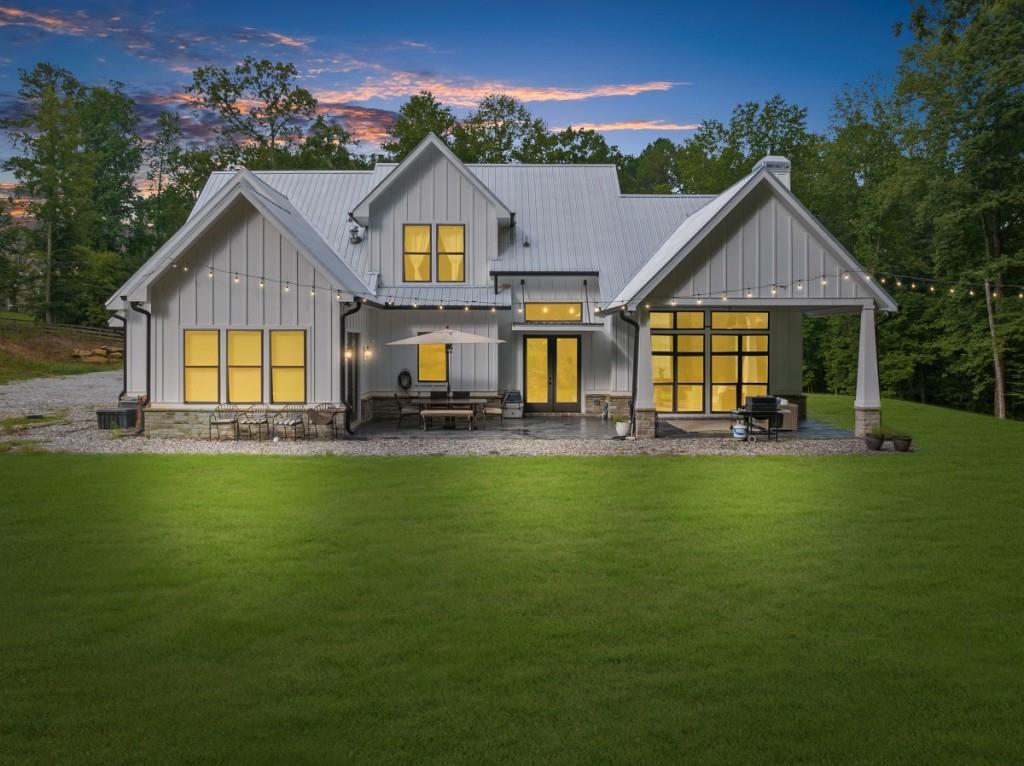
x,y
243,242
432,192
760,244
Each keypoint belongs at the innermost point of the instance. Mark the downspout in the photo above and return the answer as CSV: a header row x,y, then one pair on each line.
x,y
636,361
137,307
124,355
344,365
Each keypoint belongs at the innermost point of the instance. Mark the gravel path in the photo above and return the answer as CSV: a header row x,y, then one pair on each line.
x,y
75,397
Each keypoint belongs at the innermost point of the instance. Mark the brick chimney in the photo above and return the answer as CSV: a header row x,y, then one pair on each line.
x,y
777,166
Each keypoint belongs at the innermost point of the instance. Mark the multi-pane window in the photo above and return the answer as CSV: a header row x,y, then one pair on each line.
x,y
451,252
202,366
697,368
287,366
432,363
554,312
416,252
245,366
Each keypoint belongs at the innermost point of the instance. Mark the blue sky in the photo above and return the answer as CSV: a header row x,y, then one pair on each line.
x,y
635,71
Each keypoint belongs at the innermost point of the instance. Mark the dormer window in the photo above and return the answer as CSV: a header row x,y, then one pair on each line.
x,y
416,252
451,252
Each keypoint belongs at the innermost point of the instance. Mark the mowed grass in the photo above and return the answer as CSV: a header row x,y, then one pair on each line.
x,y
865,609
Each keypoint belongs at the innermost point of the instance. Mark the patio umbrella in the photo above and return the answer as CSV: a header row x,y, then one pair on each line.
x,y
449,338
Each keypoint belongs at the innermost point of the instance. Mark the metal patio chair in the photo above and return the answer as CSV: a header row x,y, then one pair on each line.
x,y
255,418
406,409
492,411
290,418
225,416
324,415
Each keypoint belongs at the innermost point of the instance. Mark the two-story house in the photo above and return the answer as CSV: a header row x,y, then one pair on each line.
x,y
286,287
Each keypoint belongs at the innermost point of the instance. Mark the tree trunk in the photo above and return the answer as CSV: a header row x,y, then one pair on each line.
x,y
998,362
48,313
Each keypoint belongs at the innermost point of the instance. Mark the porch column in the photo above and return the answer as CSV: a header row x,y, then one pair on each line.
x,y
643,411
868,403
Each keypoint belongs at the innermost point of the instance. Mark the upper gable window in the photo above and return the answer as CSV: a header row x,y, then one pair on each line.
x,y
416,252
451,252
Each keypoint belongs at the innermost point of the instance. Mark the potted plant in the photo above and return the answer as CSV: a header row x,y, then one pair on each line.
x,y
874,438
622,425
901,441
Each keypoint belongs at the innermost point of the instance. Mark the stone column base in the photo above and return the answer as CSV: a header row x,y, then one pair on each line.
x,y
646,424
866,418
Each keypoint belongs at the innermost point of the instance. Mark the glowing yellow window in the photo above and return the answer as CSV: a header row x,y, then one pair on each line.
x,y
451,253
287,366
661,320
721,343
755,344
755,369
689,320
661,369
202,366
690,369
739,320
690,344
245,366
661,343
432,363
663,398
416,252
554,312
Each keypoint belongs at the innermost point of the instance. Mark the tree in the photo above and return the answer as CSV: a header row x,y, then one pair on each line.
x,y
582,147
420,115
15,268
501,130
52,169
965,76
257,103
159,154
654,171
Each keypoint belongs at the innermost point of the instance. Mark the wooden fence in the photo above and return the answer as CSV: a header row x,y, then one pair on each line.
x,y
29,325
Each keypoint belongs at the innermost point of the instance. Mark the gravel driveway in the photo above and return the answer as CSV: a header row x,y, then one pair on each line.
x,y
75,398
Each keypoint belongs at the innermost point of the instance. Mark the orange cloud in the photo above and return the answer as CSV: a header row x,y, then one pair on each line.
x,y
603,127
291,42
469,93
17,17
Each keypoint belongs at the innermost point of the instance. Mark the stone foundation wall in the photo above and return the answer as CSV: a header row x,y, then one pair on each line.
x,y
618,404
646,423
865,420
178,423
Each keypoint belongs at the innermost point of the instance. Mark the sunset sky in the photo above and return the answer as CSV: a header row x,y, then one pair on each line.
x,y
634,70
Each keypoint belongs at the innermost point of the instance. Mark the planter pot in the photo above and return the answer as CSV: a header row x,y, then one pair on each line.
x,y
901,445
873,442
622,429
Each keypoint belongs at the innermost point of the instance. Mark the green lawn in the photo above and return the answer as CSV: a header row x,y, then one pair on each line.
x,y
866,609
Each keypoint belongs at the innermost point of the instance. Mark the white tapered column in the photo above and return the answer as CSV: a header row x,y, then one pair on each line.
x,y
868,403
644,414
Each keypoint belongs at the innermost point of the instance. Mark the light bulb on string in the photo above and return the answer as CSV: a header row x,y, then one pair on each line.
x,y
210,275
800,284
262,283
287,287
185,267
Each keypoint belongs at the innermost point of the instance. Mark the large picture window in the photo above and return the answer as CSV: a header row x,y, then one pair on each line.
x,y
245,366
416,252
698,367
202,366
451,252
560,313
432,363
287,366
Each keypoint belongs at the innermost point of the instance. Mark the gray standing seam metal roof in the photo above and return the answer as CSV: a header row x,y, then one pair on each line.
x,y
573,215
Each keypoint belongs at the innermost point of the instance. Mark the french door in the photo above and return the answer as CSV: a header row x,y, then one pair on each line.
x,y
551,365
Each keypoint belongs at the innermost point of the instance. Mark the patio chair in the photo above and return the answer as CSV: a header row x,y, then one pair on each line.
x,y
460,395
290,418
438,396
255,417
405,409
324,415
225,416
492,411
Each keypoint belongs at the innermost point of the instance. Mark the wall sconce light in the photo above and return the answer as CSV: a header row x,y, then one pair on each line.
x,y
367,352
348,352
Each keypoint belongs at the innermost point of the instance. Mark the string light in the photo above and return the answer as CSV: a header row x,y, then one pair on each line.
x,y
800,285
846,275
211,273
339,296
286,287
312,292
262,283
185,267
236,279
774,289
725,297
749,294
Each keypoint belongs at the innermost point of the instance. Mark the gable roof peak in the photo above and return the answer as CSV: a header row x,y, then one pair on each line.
x,y
429,143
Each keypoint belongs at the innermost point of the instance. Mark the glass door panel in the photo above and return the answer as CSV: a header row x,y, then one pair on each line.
x,y
537,371
567,368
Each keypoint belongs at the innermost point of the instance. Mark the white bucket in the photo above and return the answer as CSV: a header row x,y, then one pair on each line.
x,y
739,431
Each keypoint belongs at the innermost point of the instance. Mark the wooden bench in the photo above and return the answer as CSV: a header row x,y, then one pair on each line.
x,y
427,416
